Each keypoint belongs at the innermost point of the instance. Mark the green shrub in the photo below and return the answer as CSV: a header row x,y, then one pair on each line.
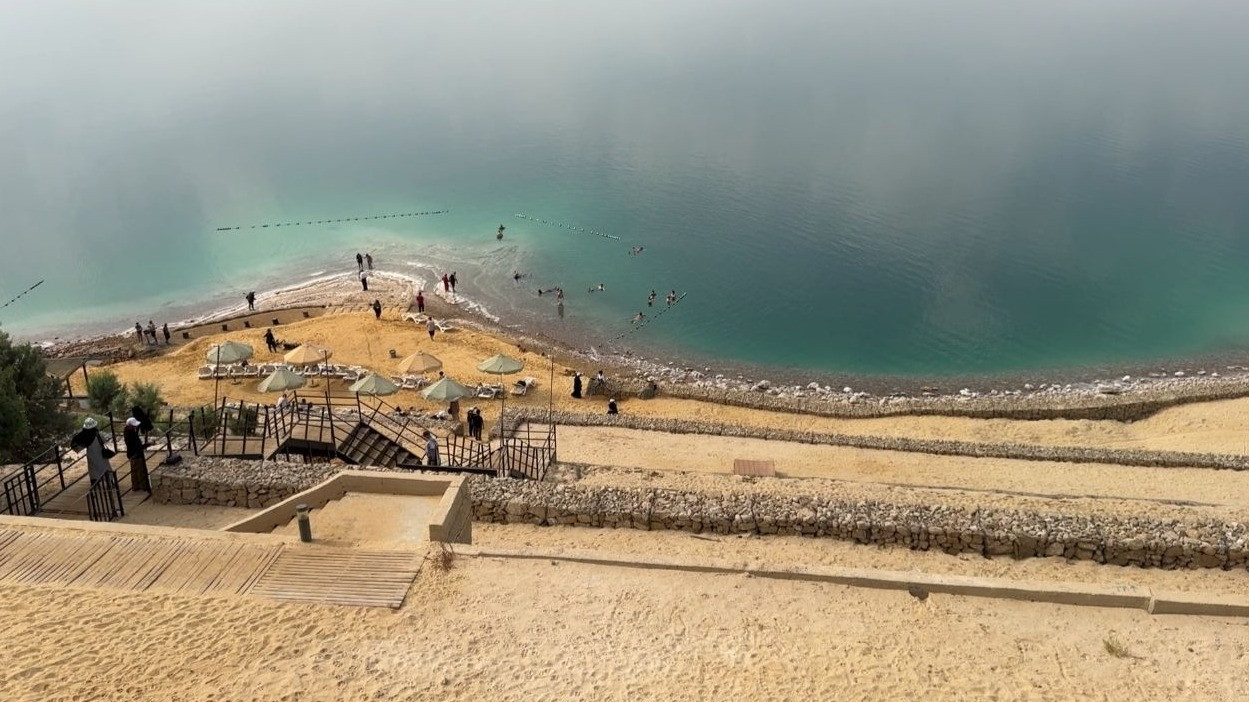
x,y
244,420
145,395
31,417
105,392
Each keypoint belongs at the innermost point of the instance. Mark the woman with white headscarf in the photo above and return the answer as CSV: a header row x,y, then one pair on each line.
x,y
137,455
97,453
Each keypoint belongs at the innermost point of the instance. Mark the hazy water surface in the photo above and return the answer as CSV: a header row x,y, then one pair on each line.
x,y
900,187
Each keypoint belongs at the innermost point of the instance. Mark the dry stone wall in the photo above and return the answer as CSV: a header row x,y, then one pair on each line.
x,y
971,449
1150,543
1104,539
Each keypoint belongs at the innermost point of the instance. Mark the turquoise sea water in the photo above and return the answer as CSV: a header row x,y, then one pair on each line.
x,y
902,188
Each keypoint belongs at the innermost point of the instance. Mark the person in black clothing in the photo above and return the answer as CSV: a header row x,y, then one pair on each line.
x,y
145,421
452,279
611,407
270,341
576,385
377,309
251,301
138,459
165,331
360,261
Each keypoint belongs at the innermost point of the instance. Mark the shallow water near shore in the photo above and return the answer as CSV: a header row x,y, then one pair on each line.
x,y
849,188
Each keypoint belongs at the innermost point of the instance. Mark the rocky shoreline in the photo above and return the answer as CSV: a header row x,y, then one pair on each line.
x,y
1134,396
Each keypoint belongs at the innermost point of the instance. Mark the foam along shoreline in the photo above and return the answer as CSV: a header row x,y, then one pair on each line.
x,y
818,396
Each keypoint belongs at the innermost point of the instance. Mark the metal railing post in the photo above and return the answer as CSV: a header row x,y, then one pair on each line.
x,y
60,469
112,430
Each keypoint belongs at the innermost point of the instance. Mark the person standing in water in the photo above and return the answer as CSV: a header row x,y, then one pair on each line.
x,y
446,283
368,260
359,261
452,281
650,299
499,235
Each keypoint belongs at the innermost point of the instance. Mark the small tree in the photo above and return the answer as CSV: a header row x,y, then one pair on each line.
x,y
145,395
31,417
105,392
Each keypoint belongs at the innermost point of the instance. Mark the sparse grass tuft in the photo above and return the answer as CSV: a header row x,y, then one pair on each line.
x,y
444,558
1116,648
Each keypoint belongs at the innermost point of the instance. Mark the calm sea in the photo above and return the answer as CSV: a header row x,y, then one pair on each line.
x,y
902,187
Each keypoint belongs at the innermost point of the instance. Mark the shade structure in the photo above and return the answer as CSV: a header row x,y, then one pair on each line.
x,y
374,384
446,390
500,365
281,380
307,353
229,352
419,362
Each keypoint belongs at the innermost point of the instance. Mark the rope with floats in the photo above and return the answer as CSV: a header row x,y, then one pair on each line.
x,y
21,295
648,320
569,227
331,221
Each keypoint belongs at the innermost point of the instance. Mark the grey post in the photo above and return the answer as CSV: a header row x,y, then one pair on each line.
x,y
305,526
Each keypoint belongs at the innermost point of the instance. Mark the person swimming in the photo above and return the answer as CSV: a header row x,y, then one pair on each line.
x,y
636,250
650,299
638,317
597,288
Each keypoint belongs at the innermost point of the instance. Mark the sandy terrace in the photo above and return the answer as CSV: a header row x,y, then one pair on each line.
x,y
695,462
503,629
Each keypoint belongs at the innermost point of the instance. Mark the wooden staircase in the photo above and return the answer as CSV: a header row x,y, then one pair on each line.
x,y
366,446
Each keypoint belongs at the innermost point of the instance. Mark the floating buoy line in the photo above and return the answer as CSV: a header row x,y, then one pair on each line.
x,y
332,221
21,295
569,227
649,319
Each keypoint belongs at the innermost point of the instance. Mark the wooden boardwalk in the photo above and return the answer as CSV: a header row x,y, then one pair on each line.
x,y
189,565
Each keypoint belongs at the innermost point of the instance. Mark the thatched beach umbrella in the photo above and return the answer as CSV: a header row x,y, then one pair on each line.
x,y
374,384
501,365
419,362
226,352
281,380
307,353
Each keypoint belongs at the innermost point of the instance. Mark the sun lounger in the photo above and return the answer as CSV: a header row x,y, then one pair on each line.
x,y
251,371
489,392
351,375
523,385
418,318
205,373
443,326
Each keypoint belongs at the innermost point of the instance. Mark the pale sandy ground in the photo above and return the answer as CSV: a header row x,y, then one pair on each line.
x,y
192,516
532,630
794,552
872,474
364,518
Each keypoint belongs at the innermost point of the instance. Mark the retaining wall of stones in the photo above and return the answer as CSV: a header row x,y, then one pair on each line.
x,y
1126,407
990,532
1027,452
1104,539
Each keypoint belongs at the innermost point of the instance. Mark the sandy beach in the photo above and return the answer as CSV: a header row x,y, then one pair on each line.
x,y
504,629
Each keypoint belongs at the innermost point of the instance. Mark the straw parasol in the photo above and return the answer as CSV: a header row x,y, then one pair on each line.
x,y
419,362
307,353
226,352
500,365
374,384
281,380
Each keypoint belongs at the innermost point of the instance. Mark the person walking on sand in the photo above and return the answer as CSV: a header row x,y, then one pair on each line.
x,y
364,280
251,301
164,330
420,301
431,449
431,327
368,260
138,331
377,309
270,341
446,283
576,385
452,280
611,407
359,261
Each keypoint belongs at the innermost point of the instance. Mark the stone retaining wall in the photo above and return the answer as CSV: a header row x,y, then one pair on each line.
x,y
1104,539
1027,452
1137,404
990,532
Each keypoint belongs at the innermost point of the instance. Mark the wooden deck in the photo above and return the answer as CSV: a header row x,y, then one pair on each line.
x,y
758,469
188,565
